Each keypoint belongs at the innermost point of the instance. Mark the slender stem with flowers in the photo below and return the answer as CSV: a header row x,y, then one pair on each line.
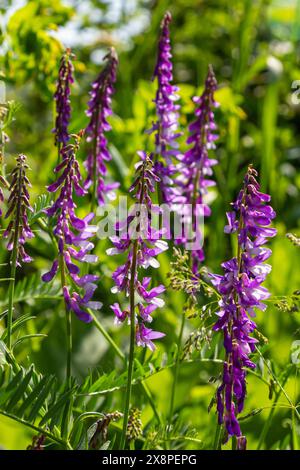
x,y
99,108
17,231
241,291
165,128
142,243
193,170
62,101
73,236
131,347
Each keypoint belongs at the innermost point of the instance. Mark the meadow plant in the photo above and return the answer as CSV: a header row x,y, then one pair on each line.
x,y
62,100
179,178
99,108
166,125
242,292
142,245
17,231
73,236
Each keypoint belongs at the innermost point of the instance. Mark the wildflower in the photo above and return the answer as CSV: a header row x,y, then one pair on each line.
x,y
139,241
166,125
98,111
242,292
18,229
195,168
62,98
73,235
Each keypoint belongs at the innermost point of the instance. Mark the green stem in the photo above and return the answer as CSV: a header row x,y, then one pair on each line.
x,y
131,349
217,439
68,323
107,336
122,356
13,262
177,366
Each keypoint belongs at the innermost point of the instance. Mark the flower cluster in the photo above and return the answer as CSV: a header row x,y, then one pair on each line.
x,y
166,126
195,168
73,235
18,229
62,98
98,111
141,243
241,292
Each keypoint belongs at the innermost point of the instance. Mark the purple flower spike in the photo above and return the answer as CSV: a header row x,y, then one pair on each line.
x,y
142,245
98,111
73,235
195,168
18,207
62,98
167,112
241,292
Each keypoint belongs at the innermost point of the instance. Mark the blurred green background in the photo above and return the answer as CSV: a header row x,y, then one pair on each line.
x,y
253,46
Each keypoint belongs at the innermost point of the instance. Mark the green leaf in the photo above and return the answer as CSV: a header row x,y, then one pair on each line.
x,y
32,288
39,395
22,388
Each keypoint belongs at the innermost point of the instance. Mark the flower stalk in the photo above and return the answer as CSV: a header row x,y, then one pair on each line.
x,y
165,128
17,231
72,236
141,243
241,292
131,347
62,101
99,108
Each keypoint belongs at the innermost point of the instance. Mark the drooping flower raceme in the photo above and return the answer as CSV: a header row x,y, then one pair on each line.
x,y
141,243
18,229
167,112
241,291
73,235
98,111
195,168
62,99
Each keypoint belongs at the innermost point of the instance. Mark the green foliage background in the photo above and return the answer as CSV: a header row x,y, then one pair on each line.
x,y
254,48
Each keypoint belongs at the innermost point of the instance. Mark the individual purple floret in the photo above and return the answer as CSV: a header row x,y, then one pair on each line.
x,y
98,111
195,168
18,230
166,125
241,291
142,244
73,236
62,98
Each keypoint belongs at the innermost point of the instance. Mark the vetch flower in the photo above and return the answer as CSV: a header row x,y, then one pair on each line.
x,y
18,229
137,241
195,168
241,291
73,236
99,108
62,98
167,112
